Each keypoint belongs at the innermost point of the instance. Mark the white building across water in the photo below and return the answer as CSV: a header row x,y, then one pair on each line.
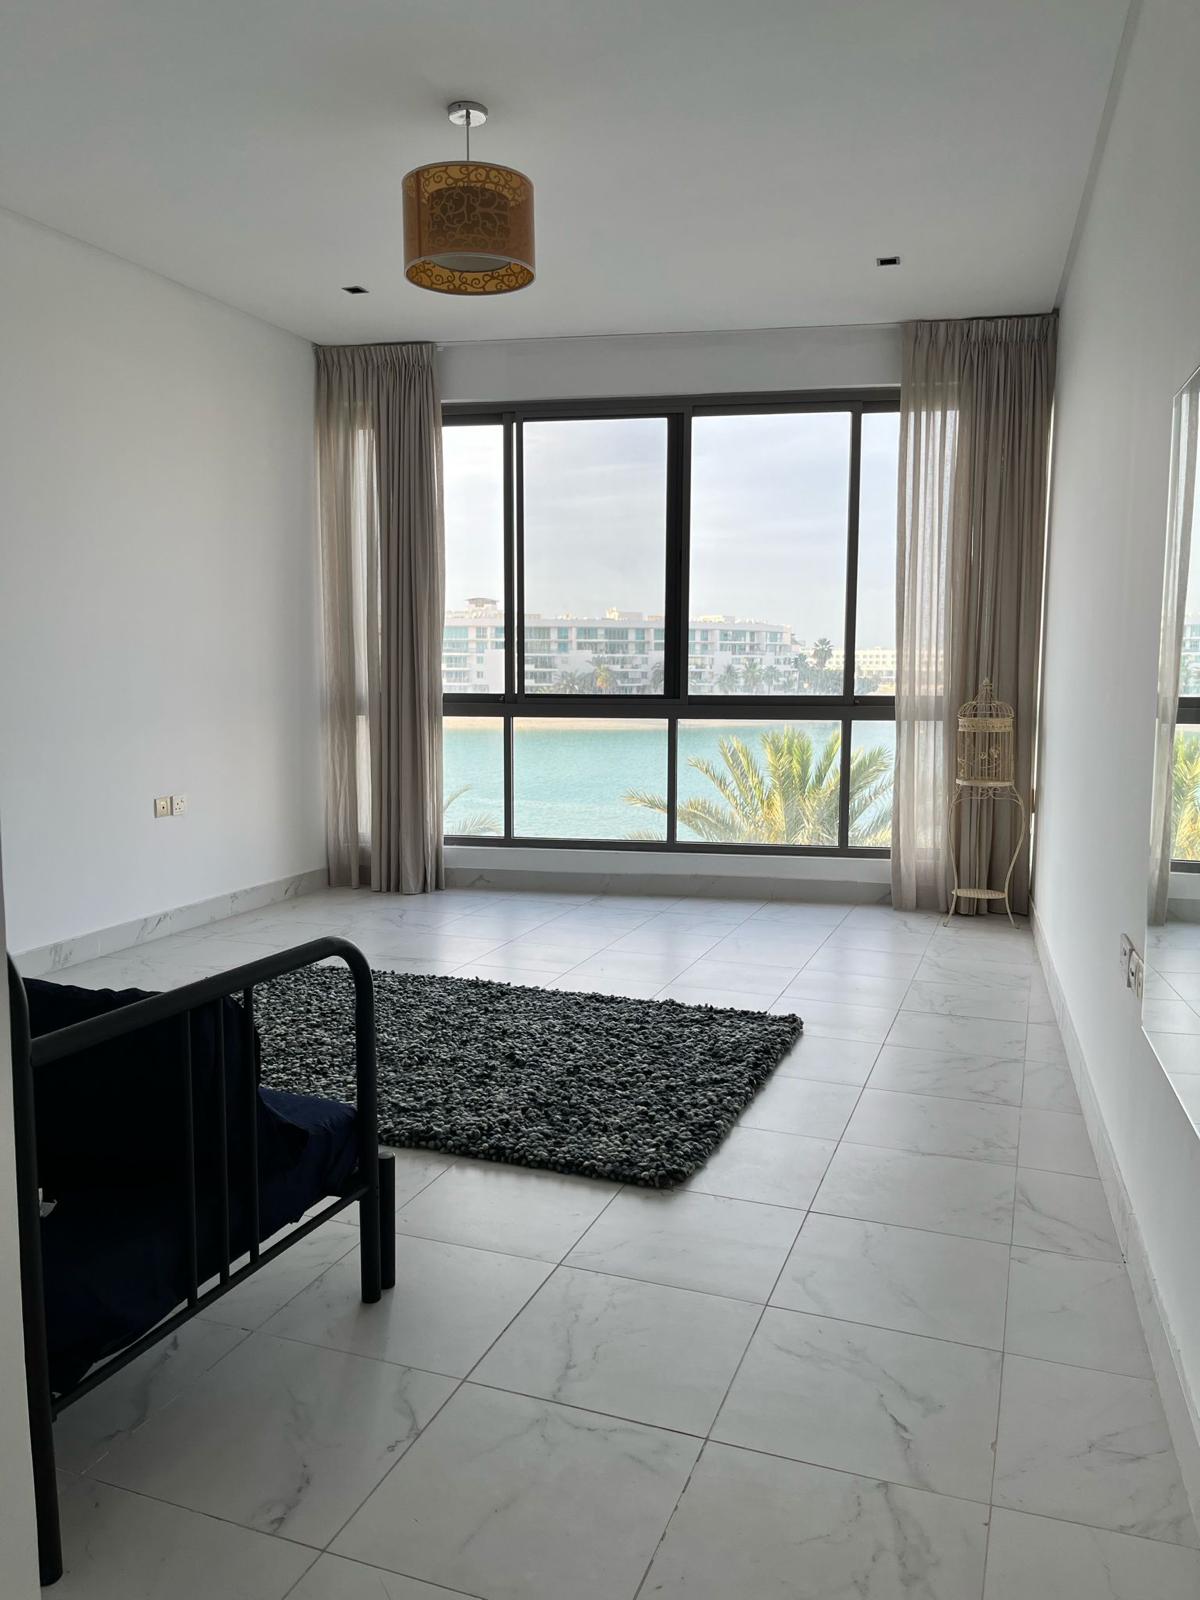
x,y
623,651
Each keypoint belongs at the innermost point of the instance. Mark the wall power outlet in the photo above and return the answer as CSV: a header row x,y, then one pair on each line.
x,y
179,804
1133,968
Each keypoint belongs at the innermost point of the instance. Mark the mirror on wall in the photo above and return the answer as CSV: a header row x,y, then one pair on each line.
x,y
1171,988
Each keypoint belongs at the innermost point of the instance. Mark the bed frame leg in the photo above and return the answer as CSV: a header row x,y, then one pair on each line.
x,y
370,1245
387,1221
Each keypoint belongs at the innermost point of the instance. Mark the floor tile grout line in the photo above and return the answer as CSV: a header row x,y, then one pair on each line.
x,y
987,1545
292,1589
370,1566
318,1550
193,1511
458,1386
729,1386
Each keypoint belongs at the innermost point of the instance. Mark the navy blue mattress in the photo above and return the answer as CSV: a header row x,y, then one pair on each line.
x,y
110,1157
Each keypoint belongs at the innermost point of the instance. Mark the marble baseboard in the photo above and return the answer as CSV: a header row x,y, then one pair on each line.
x,y
46,958
1182,1412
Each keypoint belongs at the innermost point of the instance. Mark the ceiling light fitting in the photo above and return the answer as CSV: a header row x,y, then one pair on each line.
x,y
468,225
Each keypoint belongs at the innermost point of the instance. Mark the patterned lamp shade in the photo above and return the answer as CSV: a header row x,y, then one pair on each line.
x,y
468,228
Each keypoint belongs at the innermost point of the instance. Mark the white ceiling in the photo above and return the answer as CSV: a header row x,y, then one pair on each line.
x,y
699,164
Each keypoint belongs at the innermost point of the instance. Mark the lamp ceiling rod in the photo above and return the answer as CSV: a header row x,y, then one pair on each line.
x,y
467,114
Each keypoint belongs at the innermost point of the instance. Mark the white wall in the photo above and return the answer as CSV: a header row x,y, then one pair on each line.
x,y
672,364
158,592
1130,337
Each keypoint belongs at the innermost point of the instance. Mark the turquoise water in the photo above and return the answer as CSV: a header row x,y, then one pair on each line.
x,y
570,780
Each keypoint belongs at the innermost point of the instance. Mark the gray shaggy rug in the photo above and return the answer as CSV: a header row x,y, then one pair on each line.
x,y
641,1091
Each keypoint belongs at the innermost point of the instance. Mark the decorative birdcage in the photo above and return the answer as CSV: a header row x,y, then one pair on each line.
x,y
986,751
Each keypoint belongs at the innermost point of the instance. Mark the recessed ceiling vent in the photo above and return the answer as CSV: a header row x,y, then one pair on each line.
x,y
354,288
887,261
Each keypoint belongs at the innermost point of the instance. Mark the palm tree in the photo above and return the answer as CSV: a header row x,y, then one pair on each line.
x,y
604,679
656,678
475,822
822,654
1185,798
574,683
752,673
729,680
791,798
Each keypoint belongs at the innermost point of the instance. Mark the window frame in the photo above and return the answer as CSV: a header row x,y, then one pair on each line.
x,y
1187,715
675,704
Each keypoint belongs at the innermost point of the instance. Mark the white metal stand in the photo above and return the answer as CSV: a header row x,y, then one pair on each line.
x,y
981,789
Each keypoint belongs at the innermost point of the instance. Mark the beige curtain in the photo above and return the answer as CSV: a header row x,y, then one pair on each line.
x,y
976,401
1181,517
379,451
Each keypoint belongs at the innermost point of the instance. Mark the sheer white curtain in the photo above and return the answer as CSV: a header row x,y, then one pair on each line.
x,y
976,401
378,435
1181,519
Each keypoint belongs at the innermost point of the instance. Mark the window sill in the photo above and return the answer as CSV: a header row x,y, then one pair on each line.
x,y
774,876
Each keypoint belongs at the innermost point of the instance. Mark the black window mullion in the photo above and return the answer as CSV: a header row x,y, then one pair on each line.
x,y
509,817
510,559
851,629
514,637
672,778
675,631
844,787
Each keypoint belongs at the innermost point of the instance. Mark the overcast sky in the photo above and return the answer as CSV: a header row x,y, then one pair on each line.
x,y
768,518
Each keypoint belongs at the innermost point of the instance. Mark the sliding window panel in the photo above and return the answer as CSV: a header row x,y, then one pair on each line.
x,y
473,494
872,775
591,778
594,542
767,783
768,545
473,777
875,627
1185,794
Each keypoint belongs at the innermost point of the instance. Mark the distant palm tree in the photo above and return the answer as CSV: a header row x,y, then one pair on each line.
x,y
574,683
752,675
656,678
822,654
730,680
604,679
1185,798
791,798
474,823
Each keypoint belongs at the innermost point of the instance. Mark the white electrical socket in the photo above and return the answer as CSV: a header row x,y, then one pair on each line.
x,y
178,804
1137,974
162,805
1133,968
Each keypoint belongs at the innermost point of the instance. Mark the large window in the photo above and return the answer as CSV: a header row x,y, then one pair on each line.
x,y
1185,776
672,624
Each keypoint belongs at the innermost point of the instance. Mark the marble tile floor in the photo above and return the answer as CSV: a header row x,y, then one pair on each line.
x,y
882,1346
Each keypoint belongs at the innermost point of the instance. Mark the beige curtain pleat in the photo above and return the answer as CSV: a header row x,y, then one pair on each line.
x,y
379,450
1181,515
976,402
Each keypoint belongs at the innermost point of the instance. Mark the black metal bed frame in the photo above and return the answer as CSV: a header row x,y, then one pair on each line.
x,y
373,1184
